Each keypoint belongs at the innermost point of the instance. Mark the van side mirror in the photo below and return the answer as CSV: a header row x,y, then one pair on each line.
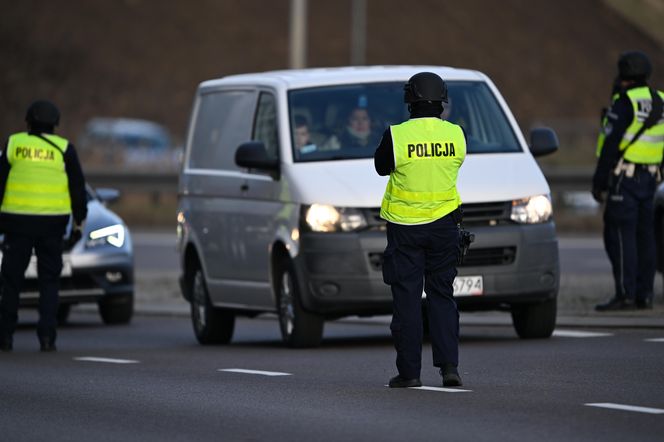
x,y
543,141
253,155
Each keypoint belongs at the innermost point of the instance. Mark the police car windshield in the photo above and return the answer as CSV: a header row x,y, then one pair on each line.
x,y
347,121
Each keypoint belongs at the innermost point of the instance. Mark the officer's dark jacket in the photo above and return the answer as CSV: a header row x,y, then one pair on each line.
x,y
47,224
619,118
384,155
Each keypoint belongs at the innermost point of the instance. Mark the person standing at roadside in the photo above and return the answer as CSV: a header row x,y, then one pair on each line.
x,y
422,156
629,150
41,185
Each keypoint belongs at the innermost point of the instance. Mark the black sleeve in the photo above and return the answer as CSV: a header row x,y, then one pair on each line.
x,y
618,119
384,155
79,203
4,172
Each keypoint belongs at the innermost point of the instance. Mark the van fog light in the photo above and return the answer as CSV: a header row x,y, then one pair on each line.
x,y
328,289
113,276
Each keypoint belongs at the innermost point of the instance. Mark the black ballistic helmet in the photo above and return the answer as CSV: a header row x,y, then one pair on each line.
x,y
425,86
634,65
43,113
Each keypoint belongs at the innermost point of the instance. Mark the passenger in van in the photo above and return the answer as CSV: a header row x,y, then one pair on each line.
x,y
358,131
302,136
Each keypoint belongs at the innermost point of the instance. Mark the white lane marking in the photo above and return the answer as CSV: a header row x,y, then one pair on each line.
x,y
626,407
260,372
106,360
445,390
655,340
579,334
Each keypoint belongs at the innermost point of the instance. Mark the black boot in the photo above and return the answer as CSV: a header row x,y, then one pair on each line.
x,y
450,376
6,343
47,343
616,304
401,382
644,304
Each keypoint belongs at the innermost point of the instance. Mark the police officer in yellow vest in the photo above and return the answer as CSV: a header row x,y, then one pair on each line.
x,y
41,185
630,149
422,156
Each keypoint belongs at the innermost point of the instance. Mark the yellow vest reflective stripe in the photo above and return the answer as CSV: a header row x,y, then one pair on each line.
x,y
37,183
649,147
427,155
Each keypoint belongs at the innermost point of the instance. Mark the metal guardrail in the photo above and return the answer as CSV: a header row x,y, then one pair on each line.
x,y
154,181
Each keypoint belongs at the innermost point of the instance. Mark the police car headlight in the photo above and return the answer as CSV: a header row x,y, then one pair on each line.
x,y
532,210
113,235
325,218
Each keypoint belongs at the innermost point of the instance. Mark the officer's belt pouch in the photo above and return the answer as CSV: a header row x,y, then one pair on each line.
x,y
627,168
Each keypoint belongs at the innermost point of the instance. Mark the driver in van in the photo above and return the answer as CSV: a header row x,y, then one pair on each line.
x,y
358,131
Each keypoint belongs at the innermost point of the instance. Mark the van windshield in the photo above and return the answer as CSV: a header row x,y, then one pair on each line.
x,y
347,121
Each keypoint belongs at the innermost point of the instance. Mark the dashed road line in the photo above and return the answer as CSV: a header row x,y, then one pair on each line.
x,y
654,340
579,334
106,360
623,407
258,372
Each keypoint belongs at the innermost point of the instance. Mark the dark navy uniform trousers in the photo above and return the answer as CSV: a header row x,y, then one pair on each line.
x,y
629,234
423,257
17,251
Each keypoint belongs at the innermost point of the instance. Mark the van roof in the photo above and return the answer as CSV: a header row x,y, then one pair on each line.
x,y
301,78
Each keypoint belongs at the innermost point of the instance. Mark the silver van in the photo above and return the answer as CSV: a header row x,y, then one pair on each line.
x,y
279,201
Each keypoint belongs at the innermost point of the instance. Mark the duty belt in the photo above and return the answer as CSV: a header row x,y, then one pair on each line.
x,y
629,168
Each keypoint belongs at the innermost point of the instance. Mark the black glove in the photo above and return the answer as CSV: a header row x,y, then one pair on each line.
x,y
598,194
75,235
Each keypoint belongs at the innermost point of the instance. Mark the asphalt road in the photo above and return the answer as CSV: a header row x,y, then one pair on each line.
x,y
170,388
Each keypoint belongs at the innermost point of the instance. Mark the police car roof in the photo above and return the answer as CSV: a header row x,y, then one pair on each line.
x,y
302,78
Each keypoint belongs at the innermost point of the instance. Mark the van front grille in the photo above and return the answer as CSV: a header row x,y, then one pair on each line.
x,y
492,256
474,214
486,214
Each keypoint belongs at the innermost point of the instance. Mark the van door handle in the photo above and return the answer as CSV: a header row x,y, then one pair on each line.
x,y
244,187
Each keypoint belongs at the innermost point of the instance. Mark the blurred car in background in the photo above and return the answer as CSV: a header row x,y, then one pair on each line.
x,y
128,142
97,268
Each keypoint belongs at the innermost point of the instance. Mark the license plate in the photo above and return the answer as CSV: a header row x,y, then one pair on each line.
x,y
31,271
468,286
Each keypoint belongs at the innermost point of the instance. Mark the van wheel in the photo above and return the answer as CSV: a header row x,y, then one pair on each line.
x,y
212,325
299,328
535,321
117,309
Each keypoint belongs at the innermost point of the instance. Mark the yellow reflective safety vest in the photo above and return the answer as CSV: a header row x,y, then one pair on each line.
x,y
422,187
37,183
649,147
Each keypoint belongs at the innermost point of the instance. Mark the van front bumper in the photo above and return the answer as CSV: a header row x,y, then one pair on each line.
x,y
341,273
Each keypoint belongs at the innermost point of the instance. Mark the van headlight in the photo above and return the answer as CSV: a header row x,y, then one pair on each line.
x,y
325,218
532,210
113,235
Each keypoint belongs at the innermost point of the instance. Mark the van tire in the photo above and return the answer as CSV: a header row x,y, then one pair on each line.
x,y
116,309
299,328
212,325
535,321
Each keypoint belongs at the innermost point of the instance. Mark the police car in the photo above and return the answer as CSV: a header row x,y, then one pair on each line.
x,y
98,268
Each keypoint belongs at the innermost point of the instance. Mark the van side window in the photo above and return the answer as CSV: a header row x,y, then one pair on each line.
x,y
223,122
265,127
